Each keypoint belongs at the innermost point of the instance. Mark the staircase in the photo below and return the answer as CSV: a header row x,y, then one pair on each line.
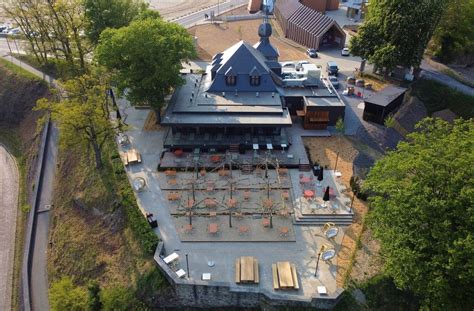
x,y
234,148
321,219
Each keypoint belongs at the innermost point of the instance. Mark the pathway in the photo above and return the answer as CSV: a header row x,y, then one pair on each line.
x,y
431,73
8,215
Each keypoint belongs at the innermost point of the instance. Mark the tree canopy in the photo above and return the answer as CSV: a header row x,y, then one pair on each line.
x,y
64,295
145,58
82,113
396,32
102,14
454,36
422,211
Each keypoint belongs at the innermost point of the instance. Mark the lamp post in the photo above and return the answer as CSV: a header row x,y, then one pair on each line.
x,y
317,264
187,264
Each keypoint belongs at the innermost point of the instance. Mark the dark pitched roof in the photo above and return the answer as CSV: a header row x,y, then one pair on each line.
x,y
267,50
288,7
386,96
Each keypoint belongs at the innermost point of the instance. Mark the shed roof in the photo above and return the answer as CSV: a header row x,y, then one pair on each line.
x,y
386,96
313,21
288,7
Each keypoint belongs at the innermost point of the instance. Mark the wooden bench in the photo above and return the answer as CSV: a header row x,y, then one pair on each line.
x,y
276,285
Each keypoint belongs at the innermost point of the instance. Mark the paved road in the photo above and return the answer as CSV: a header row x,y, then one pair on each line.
x,y
196,17
432,73
39,276
8,215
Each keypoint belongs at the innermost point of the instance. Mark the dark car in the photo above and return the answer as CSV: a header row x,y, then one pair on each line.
x,y
312,53
334,81
332,68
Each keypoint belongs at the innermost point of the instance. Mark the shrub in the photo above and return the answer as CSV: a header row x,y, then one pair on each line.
x,y
382,294
137,222
63,295
356,186
117,299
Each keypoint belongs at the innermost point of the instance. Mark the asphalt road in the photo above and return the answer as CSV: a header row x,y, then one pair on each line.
x,y
193,18
39,277
8,214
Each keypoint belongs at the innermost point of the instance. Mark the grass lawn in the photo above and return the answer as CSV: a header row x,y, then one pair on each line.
x,y
18,70
436,96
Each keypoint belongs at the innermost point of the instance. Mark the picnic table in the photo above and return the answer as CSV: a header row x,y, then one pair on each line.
x,y
284,231
305,180
133,156
284,275
210,202
246,270
232,203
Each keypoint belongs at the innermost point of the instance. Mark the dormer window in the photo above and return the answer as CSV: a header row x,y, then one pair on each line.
x,y
254,77
230,77
255,80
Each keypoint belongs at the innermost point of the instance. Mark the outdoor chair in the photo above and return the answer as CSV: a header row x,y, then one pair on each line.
x,y
188,228
243,230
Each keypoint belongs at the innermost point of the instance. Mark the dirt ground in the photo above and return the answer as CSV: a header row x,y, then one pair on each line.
x,y
230,33
324,151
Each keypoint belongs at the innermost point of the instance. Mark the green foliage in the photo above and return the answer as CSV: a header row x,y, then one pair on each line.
x,y
117,299
389,122
146,58
397,32
149,284
63,295
454,36
436,96
382,294
340,126
94,303
356,186
103,14
422,211
82,113
137,222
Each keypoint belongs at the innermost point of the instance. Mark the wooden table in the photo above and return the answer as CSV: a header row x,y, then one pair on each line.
x,y
284,275
285,279
133,156
246,270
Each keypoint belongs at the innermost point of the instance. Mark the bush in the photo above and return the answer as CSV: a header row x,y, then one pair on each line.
x,y
117,299
149,284
356,186
63,295
137,222
382,294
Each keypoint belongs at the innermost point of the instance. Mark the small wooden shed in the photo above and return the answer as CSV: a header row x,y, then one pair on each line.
x,y
380,105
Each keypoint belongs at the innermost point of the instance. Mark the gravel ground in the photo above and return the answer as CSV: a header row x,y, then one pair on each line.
x,y
8,213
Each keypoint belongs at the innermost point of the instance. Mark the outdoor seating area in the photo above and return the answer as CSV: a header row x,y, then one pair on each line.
x,y
246,270
285,275
131,156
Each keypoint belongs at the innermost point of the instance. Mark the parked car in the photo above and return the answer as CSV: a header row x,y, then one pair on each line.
x,y
3,27
332,69
15,31
345,52
334,81
312,53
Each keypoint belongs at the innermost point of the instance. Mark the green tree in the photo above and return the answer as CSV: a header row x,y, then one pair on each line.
x,y
82,114
94,303
422,210
63,295
102,14
396,32
117,299
145,58
454,36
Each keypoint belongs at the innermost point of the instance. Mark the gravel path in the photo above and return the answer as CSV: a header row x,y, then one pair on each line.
x,y
8,214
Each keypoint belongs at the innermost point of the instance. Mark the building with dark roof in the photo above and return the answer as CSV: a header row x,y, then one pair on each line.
x,y
379,106
304,22
245,97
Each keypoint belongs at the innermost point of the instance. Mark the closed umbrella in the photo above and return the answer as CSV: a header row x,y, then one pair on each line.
x,y
326,196
320,176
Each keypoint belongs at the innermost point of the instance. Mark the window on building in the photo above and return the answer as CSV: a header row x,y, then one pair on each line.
x,y
230,79
255,80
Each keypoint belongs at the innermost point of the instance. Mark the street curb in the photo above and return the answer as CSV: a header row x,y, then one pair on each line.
x,y
25,299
